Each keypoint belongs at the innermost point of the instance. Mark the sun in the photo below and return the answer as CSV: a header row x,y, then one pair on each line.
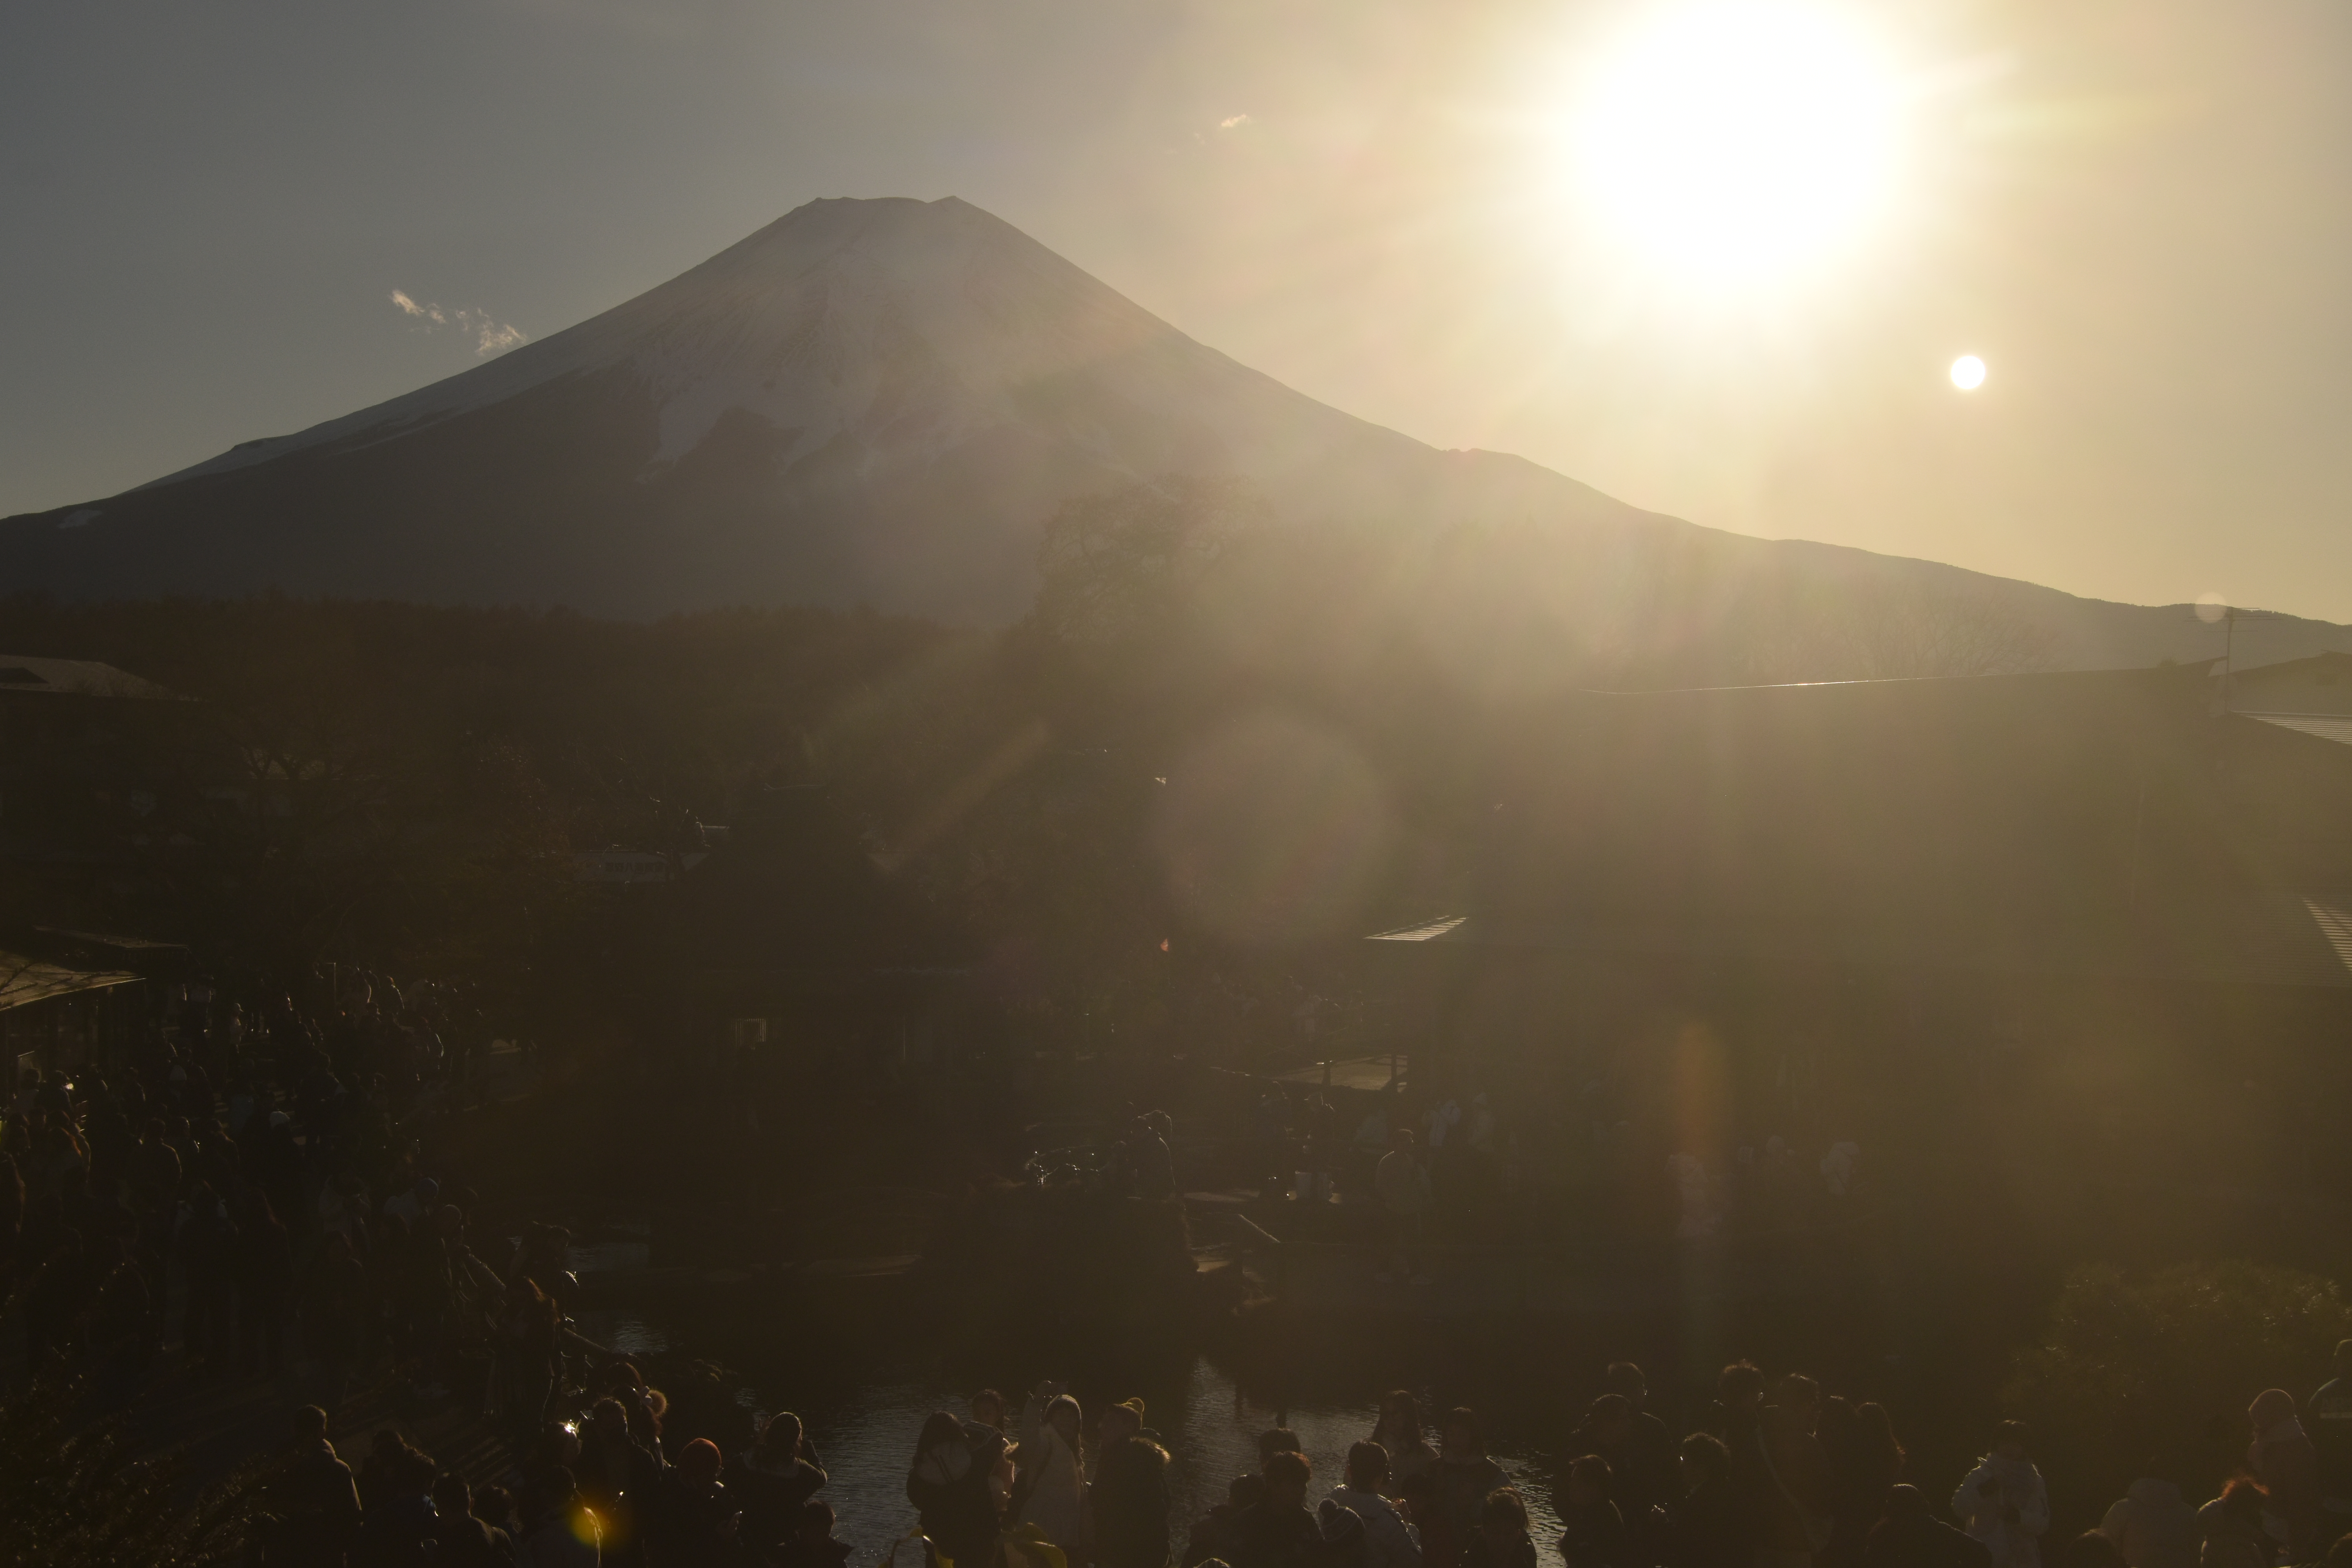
x,y
1736,141
1968,372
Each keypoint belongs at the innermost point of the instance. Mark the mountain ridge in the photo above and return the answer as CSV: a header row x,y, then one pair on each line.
x,y
880,401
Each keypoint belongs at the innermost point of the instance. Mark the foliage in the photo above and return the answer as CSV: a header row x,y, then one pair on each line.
x,y
1129,562
2159,1369
1893,631
75,1497
407,785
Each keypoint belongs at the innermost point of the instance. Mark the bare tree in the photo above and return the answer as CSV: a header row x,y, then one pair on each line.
x,y
1116,563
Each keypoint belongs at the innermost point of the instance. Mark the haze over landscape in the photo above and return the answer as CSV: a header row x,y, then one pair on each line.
x,y
2135,216
1589,762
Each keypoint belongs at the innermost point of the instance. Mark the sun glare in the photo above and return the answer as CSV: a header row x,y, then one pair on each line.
x,y
1968,372
1736,141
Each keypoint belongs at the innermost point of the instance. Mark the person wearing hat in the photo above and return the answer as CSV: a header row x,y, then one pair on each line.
x,y
1129,1491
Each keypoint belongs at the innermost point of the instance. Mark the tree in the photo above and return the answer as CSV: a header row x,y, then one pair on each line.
x,y
2134,1368
1895,631
74,1497
1117,563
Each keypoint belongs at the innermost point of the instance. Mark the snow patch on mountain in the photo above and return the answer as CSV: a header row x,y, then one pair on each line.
x,y
907,328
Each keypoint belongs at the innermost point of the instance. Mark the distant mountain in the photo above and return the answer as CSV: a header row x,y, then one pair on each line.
x,y
880,402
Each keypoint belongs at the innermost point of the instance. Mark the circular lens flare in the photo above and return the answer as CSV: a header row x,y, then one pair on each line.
x,y
1738,140
1968,372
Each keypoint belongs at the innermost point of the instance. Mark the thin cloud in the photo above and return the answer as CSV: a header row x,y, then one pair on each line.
x,y
1227,124
490,335
426,312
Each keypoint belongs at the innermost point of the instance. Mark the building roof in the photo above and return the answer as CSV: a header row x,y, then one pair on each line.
x,y
2319,686
2303,941
2326,726
75,677
25,980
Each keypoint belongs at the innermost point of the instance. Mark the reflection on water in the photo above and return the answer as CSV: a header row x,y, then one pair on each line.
x,y
619,1329
867,1436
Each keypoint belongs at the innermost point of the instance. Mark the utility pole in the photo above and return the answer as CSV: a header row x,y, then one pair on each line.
x,y
2230,617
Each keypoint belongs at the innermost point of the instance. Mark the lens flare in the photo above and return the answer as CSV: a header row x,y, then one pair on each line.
x,y
1273,829
1738,140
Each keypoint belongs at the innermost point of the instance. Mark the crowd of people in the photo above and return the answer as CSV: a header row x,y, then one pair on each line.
x,y
1778,1477
257,1191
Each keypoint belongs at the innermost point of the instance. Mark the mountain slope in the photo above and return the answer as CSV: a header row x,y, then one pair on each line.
x,y
880,402
867,401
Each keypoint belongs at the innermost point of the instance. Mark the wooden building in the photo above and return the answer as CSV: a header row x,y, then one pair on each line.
x,y
55,1017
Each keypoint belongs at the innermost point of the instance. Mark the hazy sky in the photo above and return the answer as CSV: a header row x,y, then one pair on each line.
x,y
2138,214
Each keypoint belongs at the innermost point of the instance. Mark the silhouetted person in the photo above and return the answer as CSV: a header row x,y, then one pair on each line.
x,y
1779,1531
2231,1526
2089,1550
2329,1413
1865,1461
1129,1492
1499,1539
1458,1487
1399,1432
1592,1531
773,1480
699,1523
1912,1537
2003,1503
1281,1530
2151,1525
313,1499
948,1485
557,1533
1702,1527
459,1539
811,1544
1389,1541
2283,1458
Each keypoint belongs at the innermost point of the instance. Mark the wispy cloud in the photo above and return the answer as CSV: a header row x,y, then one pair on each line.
x,y
490,335
1232,120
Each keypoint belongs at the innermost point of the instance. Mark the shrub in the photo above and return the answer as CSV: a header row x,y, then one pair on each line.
x,y
2161,1367
72,1496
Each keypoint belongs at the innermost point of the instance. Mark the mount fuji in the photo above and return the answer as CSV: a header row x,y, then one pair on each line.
x,y
870,402
881,402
